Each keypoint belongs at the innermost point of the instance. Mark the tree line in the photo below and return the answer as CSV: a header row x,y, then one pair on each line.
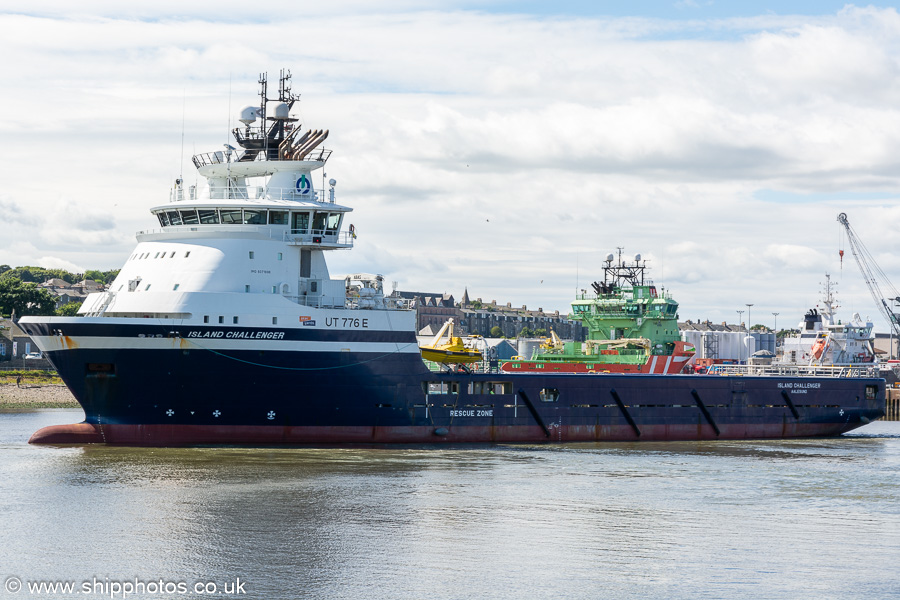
x,y
19,291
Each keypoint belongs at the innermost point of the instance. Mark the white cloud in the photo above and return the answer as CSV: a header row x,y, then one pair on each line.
x,y
488,151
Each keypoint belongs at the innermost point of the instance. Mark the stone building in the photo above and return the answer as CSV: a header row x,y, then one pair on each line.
x,y
15,343
432,309
66,292
479,318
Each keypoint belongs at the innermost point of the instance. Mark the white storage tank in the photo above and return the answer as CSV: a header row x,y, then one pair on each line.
x,y
526,346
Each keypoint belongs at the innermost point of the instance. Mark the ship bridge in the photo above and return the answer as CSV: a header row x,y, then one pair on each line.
x,y
314,224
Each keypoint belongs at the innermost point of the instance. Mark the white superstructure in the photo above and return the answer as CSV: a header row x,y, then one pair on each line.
x,y
249,247
825,341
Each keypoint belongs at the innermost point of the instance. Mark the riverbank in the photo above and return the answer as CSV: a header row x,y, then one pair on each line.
x,y
20,396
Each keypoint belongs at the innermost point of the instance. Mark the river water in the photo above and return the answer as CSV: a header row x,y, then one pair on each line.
x,y
795,519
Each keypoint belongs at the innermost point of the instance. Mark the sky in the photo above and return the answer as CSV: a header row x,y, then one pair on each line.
x,y
501,147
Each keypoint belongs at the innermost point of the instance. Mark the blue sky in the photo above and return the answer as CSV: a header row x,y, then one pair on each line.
x,y
503,147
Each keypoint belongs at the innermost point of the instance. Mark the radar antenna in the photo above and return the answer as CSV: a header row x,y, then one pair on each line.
x,y
619,273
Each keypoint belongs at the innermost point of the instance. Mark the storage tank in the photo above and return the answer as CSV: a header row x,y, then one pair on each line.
x,y
748,347
726,345
526,346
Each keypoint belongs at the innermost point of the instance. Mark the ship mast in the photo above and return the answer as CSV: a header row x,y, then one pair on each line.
x,y
828,301
620,273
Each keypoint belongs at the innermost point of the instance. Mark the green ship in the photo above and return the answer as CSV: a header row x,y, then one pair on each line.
x,y
632,328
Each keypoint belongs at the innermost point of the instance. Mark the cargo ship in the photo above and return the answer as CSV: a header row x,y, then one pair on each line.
x,y
632,327
225,326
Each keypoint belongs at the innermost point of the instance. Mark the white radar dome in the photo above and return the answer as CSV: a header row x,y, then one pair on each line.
x,y
282,111
332,182
609,257
637,258
249,114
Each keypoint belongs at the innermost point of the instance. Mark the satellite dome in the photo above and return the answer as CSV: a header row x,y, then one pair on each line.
x,y
282,111
249,114
637,258
609,257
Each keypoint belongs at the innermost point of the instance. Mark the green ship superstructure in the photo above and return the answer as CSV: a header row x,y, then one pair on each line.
x,y
631,327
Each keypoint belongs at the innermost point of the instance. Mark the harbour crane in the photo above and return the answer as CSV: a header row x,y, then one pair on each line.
x,y
872,274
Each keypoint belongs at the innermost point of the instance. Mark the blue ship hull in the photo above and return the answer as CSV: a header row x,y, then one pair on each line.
x,y
191,395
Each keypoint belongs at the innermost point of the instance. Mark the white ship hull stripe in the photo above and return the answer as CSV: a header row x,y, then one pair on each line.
x,y
57,343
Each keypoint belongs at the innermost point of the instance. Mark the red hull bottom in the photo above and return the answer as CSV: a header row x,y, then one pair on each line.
x,y
193,435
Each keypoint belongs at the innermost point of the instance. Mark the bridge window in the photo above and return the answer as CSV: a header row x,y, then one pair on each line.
x,y
189,217
174,217
300,222
254,217
319,221
231,217
278,217
209,216
334,220
163,219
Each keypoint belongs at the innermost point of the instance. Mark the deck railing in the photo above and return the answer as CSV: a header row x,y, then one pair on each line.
x,y
219,157
794,371
294,237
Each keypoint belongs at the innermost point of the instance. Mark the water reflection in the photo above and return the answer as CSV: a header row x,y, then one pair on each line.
x,y
797,519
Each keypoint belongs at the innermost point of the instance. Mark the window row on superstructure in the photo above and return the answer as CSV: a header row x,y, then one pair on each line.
x,y
301,221
145,255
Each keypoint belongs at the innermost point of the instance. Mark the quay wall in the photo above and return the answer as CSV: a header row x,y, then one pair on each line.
x,y
892,411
